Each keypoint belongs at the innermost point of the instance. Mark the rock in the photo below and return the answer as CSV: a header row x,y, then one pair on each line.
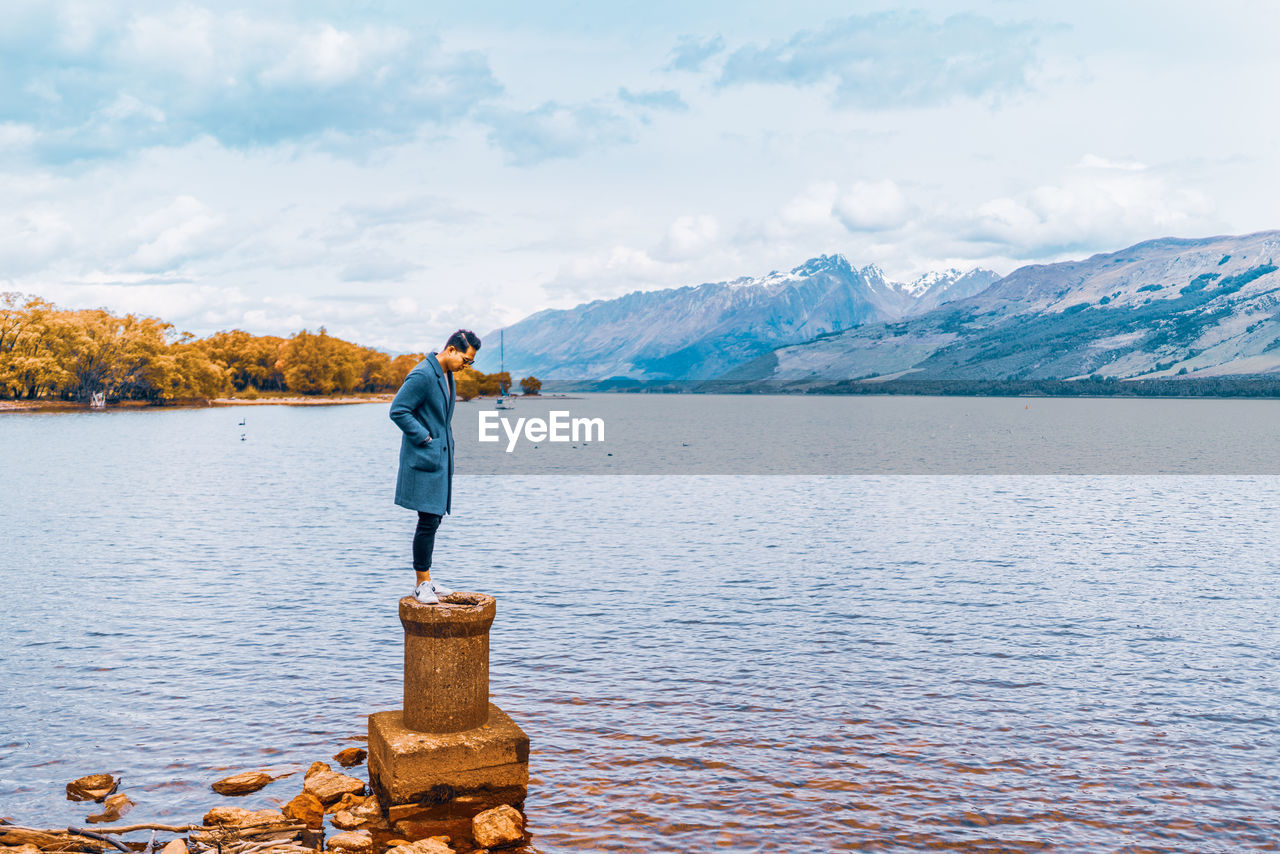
x,y
329,786
502,825
242,784
307,809
346,802
175,846
433,845
116,806
315,768
28,848
350,756
354,842
353,811
95,787
237,817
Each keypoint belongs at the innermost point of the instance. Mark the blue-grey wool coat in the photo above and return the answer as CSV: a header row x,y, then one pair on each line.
x,y
422,409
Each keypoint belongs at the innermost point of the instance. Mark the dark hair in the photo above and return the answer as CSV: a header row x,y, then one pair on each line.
x,y
462,339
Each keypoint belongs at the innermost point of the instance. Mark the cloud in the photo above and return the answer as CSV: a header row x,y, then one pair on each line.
x,y
554,130
665,99
691,53
101,86
689,236
1086,212
872,206
33,238
174,235
377,267
894,59
1093,161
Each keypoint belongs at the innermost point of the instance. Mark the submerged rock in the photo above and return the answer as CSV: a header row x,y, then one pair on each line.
x,y
350,756
502,825
242,784
307,809
94,787
116,806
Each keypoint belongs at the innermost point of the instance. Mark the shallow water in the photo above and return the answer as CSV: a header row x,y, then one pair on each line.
x,y
884,663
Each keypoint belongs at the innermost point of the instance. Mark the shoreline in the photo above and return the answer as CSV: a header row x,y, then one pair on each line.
x,y
290,400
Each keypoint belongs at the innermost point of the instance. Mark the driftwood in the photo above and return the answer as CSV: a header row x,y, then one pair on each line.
x,y
114,843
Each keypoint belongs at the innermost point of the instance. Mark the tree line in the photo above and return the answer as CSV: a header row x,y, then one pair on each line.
x,y
55,354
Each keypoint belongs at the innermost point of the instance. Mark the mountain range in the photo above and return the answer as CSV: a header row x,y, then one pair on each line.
x,y
1166,308
1163,308
702,331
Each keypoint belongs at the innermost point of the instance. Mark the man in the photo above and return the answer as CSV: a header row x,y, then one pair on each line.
x,y
422,409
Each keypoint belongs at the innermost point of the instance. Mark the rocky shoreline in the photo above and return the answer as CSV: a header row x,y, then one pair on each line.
x,y
333,812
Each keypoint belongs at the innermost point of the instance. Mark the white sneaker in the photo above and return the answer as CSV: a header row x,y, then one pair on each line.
x,y
440,590
424,594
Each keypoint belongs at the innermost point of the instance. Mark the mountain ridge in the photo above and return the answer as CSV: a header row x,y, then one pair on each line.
x,y
701,331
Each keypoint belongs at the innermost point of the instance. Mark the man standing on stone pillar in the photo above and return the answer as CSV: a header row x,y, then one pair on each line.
x,y
422,409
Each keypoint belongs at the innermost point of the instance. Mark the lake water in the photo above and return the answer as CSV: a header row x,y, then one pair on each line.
x,y
877,662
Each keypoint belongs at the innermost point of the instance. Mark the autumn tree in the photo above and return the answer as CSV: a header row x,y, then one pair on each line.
x,y
320,364
249,360
530,385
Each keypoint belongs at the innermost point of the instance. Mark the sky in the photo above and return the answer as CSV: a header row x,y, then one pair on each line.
x,y
395,171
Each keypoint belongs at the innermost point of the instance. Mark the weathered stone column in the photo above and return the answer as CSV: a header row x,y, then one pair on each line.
x,y
450,752
446,662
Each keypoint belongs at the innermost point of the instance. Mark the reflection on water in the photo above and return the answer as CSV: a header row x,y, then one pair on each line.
x,y
702,663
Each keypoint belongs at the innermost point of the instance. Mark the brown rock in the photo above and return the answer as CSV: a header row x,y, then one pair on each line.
x,y
329,786
367,814
497,827
316,767
175,846
116,806
345,802
95,787
354,842
237,817
350,756
28,848
433,845
242,784
307,809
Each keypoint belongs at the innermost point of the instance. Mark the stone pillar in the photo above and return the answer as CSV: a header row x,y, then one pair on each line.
x,y
449,752
446,662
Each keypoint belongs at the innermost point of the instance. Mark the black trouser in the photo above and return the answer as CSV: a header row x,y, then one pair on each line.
x,y
424,541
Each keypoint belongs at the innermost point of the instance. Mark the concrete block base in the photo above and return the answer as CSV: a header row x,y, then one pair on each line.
x,y
457,772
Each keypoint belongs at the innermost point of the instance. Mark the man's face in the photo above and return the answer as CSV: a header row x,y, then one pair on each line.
x,y
456,360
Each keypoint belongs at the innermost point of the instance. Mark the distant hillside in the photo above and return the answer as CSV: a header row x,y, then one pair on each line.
x,y
699,332
1163,308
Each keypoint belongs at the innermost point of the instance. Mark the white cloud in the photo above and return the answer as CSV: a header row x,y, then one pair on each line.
x,y
872,206
170,236
1093,161
690,236
1103,209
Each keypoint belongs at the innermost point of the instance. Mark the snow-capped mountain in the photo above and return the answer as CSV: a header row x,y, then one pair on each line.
x,y
1168,307
701,331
